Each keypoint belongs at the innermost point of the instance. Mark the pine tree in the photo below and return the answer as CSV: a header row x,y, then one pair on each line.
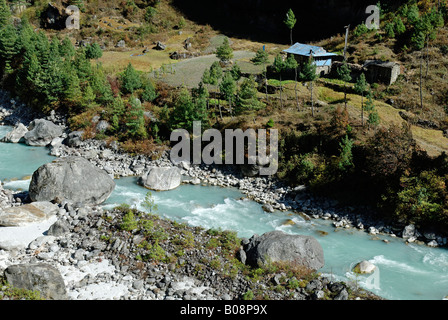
x,y
149,92
100,85
360,88
279,67
8,47
71,84
94,51
224,52
66,48
5,14
26,36
187,109
389,29
262,58
373,118
290,22
247,95
228,88
344,75
346,155
117,109
236,72
215,74
291,63
400,28
310,75
135,120
130,80
82,66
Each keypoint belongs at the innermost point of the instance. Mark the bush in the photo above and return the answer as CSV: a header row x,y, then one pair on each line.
x,y
423,198
249,295
129,223
360,30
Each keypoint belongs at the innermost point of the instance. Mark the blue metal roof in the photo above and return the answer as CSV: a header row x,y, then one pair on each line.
x,y
308,50
322,63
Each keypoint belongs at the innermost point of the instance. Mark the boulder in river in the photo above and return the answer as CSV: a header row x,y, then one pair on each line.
x,y
42,132
161,179
277,246
71,179
364,267
17,134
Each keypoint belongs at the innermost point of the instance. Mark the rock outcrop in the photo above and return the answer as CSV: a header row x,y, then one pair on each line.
x,y
71,179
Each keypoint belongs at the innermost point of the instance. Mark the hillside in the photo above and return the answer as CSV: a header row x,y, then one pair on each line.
x,y
386,161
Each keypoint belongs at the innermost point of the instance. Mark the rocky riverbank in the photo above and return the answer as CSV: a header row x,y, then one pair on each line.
x,y
88,254
96,259
268,191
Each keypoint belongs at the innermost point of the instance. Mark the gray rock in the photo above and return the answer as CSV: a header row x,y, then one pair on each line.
x,y
102,126
74,139
160,46
16,135
277,246
42,132
27,214
342,295
408,232
71,179
364,267
161,179
268,208
432,243
121,44
250,170
41,277
59,228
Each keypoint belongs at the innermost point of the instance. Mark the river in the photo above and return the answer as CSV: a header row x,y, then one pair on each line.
x,y
404,271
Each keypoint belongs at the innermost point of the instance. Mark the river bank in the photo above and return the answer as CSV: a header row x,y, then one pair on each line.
x,y
117,164
268,191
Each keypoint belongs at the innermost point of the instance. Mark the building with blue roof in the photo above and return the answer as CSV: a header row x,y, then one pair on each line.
x,y
321,58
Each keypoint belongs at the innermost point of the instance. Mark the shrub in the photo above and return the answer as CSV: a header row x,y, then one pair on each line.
x,y
249,295
422,199
360,30
129,223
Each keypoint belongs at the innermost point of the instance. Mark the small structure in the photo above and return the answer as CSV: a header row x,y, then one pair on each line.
x,y
381,71
322,59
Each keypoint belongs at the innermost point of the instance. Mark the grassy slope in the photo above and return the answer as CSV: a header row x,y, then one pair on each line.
x,y
105,22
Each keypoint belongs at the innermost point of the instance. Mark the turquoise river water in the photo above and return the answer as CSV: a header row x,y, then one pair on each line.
x,y
404,271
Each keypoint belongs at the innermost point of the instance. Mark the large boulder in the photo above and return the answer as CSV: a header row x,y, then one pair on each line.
x,y
161,179
27,214
71,179
40,277
17,134
277,246
42,132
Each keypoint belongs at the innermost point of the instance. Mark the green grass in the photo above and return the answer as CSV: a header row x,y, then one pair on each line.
x,y
189,72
